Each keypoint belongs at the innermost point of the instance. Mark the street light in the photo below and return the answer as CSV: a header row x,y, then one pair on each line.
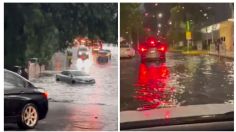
x,y
159,25
156,4
160,15
170,22
205,14
146,14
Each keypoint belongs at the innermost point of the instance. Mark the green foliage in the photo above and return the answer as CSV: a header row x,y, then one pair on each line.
x,y
38,30
180,13
131,21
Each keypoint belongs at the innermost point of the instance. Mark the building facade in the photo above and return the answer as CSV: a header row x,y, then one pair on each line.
x,y
219,38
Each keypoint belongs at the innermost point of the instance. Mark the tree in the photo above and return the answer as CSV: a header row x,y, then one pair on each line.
x,y
196,14
131,22
41,29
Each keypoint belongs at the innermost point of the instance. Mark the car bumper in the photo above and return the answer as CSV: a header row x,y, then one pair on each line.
x,y
85,81
126,54
43,110
156,56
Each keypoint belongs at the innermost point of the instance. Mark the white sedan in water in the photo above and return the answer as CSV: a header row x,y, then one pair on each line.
x,y
126,51
75,76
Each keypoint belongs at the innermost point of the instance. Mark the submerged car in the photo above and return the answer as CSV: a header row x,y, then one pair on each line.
x,y
83,52
74,76
153,49
103,56
24,103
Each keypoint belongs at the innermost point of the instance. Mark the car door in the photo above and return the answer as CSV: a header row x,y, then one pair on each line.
x,y
13,88
68,77
64,76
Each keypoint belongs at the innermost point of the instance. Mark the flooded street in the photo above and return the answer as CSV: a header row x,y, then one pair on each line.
x,y
180,81
100,93
78,107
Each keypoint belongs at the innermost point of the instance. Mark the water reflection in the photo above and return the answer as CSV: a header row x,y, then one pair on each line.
x,y
151,88
83,65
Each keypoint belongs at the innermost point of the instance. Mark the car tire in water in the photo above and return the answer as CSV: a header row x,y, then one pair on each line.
x,y
57,79
73,81
29,117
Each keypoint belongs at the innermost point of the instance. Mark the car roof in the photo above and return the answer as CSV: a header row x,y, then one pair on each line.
x,y
102,51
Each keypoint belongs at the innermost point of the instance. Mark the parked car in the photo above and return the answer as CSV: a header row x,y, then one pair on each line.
x,y
75,76
24,103
103,56
83,53
126,50
153,49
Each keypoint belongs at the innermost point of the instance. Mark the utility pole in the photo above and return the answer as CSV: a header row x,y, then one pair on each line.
x,y
188,34
138,39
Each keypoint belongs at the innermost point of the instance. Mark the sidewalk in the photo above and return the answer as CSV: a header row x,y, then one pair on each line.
x,y
222,52
203,52
227,55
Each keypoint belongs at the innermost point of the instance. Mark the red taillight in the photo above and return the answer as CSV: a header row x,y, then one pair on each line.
x,y
162,49
45,94
143,49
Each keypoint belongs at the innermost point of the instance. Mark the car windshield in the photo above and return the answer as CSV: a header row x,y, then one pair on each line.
x,y
78,73
83,49
103,52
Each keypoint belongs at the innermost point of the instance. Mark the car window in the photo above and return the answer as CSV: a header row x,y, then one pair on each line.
x,y
83,49
78,73
30,85
64,73
13,79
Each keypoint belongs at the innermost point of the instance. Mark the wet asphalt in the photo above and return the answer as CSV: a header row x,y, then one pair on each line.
x,y
79,107
179,81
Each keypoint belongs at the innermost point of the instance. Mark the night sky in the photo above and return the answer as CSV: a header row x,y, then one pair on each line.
x,y
221,11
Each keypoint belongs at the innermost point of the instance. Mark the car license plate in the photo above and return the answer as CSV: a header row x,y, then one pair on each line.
x,y
153,51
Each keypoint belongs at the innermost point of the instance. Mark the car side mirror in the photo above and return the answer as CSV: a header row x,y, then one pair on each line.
x,y
26,84
71,75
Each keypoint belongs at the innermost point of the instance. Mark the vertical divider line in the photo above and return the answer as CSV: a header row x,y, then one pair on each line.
x,y
118,65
